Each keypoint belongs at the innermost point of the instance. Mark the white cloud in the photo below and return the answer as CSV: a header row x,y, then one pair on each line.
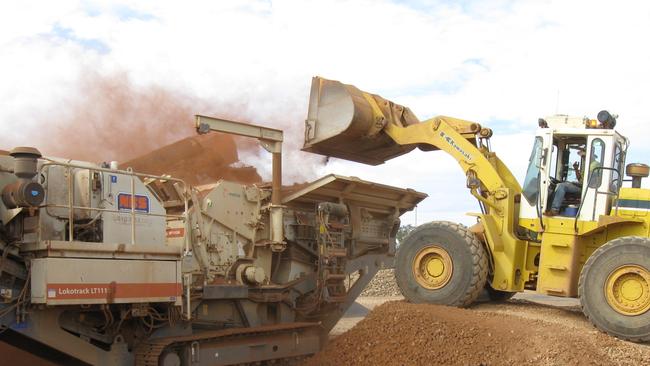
x,y
482,60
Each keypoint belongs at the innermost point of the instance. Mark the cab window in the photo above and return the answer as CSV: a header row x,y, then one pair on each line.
x,y
619,165
553,172
571,157
596,161
531,182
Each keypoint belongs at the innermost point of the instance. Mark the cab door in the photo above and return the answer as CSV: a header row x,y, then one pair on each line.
x,y
535,186
597,188
546,164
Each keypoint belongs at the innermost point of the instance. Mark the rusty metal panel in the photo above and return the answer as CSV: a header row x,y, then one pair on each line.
x,y
333,188
257,348
230,204
225,292
57,248
68,281
234,346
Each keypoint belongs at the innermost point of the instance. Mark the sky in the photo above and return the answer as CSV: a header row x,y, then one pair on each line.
x,y
503,64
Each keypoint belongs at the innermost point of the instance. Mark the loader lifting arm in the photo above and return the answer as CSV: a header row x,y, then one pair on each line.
x,y
348,123
484,169
351,124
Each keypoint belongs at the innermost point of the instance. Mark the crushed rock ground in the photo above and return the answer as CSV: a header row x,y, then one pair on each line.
x,y
400,333
516,332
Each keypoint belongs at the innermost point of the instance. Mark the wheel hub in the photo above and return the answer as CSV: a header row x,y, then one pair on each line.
x,y
627,290
432,267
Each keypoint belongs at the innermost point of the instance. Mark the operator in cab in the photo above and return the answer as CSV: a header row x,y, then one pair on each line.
x,y
563,188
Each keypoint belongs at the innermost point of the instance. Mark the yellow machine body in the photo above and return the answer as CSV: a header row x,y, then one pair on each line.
x,y
542,253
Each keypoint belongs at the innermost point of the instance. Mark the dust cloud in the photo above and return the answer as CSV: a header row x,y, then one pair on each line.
x,y
111,119
151,129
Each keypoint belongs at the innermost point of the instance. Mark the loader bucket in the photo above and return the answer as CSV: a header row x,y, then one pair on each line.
x,y
347,123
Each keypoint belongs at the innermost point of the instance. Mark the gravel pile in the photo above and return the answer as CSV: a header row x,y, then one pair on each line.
x,y
400,333
383,284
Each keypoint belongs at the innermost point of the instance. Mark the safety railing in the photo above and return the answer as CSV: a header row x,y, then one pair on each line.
x,y
597,173
133,212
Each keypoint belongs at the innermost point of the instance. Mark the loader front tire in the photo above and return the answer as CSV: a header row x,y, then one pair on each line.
x,y
614,288
441,263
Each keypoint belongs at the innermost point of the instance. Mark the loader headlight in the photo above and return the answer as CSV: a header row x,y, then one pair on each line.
x,y
606,119
542,123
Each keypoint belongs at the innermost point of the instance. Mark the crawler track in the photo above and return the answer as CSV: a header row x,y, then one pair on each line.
x,y
149,352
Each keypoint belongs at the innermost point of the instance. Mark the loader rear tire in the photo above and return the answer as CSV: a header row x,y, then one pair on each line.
x,y
614,288
447,247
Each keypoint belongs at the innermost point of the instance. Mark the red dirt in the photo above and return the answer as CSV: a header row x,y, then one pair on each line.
x,y
197,160
400,333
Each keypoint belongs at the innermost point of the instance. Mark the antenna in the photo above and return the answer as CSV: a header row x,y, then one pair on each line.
x,y
557,102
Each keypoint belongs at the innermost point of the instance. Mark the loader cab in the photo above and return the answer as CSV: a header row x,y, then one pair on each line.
x,y
569,151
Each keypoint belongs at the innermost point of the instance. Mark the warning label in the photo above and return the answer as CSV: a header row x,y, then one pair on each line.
x,y
175,232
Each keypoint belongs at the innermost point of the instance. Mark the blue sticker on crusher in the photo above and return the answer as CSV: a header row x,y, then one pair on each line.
x,y
113,178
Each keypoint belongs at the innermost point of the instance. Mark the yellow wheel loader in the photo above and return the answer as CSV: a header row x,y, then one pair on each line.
x,y
571,229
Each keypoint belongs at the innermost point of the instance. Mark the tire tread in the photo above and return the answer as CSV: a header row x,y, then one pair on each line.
x,y
625,240
479,258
